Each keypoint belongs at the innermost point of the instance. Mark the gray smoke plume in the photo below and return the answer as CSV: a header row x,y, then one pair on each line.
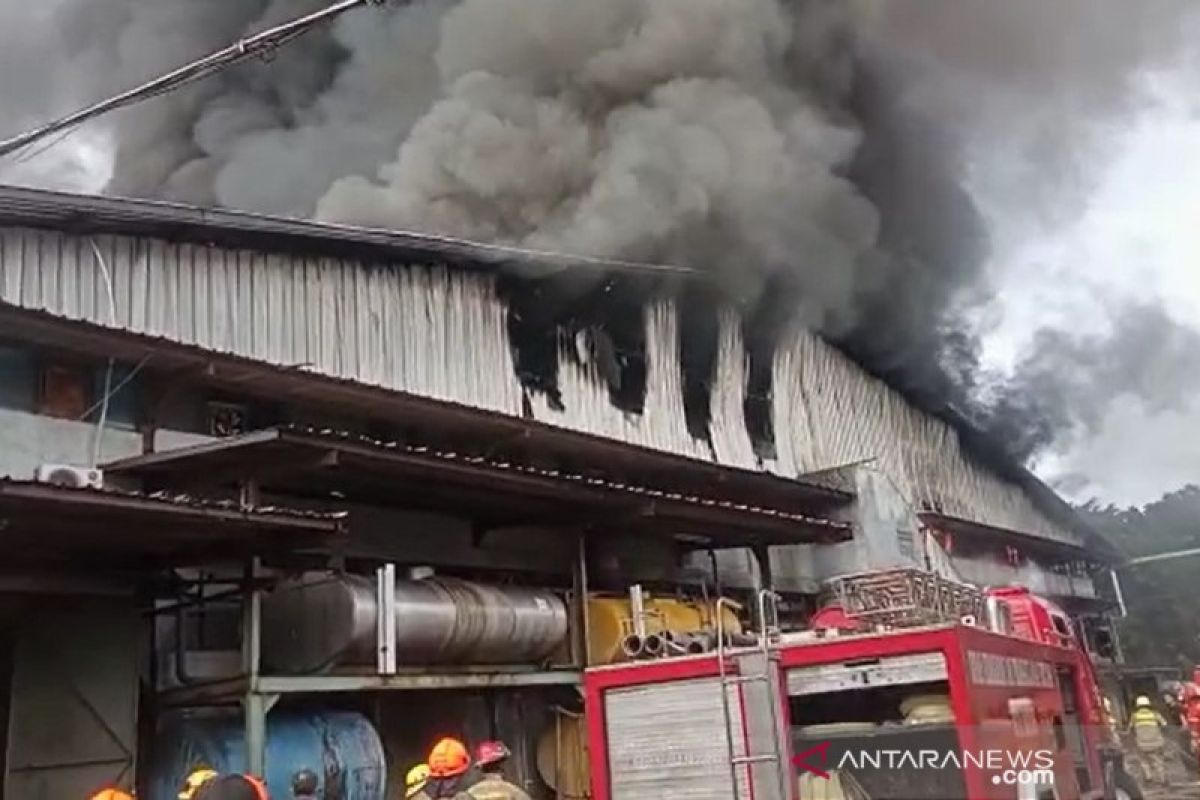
x,y
841,144
1065,383
671,131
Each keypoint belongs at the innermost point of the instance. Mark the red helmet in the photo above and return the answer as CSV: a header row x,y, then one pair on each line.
x,y
491,753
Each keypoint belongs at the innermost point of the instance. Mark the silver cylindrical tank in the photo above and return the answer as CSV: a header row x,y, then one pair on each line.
x,y
321,620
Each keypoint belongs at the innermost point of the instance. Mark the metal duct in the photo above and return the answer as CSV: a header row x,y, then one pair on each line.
x,y
318,621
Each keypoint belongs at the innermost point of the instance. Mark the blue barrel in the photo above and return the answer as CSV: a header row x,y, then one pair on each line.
x,y
342,748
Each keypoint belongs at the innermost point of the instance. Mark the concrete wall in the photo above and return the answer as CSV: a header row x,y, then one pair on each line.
x,y
27,440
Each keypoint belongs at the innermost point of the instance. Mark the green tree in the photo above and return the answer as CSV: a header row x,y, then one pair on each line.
x,y
1163,626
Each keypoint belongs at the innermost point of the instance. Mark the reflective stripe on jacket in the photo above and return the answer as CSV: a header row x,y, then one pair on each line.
x,y
1147,728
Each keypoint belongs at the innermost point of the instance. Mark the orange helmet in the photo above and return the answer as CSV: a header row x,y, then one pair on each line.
x,y
111,794
449,758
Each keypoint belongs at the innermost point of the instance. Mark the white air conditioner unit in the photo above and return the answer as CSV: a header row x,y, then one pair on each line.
x,y
67,475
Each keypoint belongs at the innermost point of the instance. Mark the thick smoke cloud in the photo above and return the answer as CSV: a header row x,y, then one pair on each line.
x,y
668,131
840,144
985,122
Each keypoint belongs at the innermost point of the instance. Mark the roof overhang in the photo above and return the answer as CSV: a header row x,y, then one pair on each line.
x,y
330,464
47,523
449,425
978,532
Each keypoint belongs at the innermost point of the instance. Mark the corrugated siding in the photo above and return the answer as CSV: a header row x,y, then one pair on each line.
x,y
442,334
431,331
829,412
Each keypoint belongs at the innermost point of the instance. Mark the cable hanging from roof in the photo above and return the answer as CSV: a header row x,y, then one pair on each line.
x,y
260,44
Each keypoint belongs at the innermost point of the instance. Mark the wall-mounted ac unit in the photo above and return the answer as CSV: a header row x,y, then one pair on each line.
x,y
70,476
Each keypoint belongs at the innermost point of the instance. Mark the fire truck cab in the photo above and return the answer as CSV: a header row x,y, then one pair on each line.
x,y
949,711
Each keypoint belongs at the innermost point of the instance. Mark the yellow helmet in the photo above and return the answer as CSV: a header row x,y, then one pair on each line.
x,y
416,779
195,779
1142,702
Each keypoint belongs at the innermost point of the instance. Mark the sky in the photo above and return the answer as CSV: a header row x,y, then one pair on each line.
x,y
1137,235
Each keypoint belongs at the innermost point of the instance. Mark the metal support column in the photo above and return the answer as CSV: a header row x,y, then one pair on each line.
x,y
580,585
766,581
254,705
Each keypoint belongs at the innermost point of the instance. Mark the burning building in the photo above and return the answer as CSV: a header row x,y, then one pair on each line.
x,y
481,410
531,391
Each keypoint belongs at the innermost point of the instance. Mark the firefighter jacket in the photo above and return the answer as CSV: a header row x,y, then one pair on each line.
x,y
1148,727
494,787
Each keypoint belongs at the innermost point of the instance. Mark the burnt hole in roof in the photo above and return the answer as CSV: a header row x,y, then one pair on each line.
x,y
762,326
699,341
597,324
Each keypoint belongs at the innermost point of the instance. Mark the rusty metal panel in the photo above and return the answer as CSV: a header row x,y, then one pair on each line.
x,y
73,724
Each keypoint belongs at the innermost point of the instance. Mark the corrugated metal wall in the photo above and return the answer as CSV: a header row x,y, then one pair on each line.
x,y
442,333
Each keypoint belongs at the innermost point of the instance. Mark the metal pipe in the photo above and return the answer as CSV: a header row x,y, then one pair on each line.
x,y
637,609
1116,582
633,646
581,564
654,645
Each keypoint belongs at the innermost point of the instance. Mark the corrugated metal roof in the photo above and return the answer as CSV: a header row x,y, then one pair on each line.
x,y
175,222
10,487
352,463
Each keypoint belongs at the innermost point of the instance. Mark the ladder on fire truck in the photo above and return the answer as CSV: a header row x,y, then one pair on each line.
x,y
765,678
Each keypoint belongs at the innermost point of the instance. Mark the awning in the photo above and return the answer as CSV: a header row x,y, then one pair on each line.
x,y
42,522
990,535
333,464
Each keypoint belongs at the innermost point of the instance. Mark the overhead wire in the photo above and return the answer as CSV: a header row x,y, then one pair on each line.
x,y
259,44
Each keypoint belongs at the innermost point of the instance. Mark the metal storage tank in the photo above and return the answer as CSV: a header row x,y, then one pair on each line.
x,y
342,748
326,619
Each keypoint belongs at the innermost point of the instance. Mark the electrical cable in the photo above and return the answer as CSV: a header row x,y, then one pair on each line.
x,y
112,318
262,43
116,389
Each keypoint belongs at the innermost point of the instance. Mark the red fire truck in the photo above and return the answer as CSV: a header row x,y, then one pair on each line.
x,y
1003,706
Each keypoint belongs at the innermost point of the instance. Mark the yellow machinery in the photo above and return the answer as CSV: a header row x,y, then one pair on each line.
x,y
562,748
610,620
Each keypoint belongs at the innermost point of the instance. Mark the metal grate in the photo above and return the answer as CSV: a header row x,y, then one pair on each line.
x,y
906,596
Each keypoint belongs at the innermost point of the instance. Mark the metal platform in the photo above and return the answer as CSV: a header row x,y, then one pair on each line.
x,y
406,679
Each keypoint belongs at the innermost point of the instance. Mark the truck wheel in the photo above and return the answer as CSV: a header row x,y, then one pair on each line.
x,y
1127,788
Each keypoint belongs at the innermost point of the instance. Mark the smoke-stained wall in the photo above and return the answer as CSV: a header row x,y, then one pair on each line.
x,y
444,333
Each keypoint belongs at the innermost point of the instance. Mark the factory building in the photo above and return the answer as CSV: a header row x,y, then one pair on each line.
x,y
222,435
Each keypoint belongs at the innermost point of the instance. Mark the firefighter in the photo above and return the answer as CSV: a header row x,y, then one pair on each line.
x,y
414,783
490,757
1148,735
448,765
194,781
305,785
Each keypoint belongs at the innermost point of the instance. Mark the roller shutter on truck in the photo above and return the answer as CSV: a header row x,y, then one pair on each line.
x,y
668,741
